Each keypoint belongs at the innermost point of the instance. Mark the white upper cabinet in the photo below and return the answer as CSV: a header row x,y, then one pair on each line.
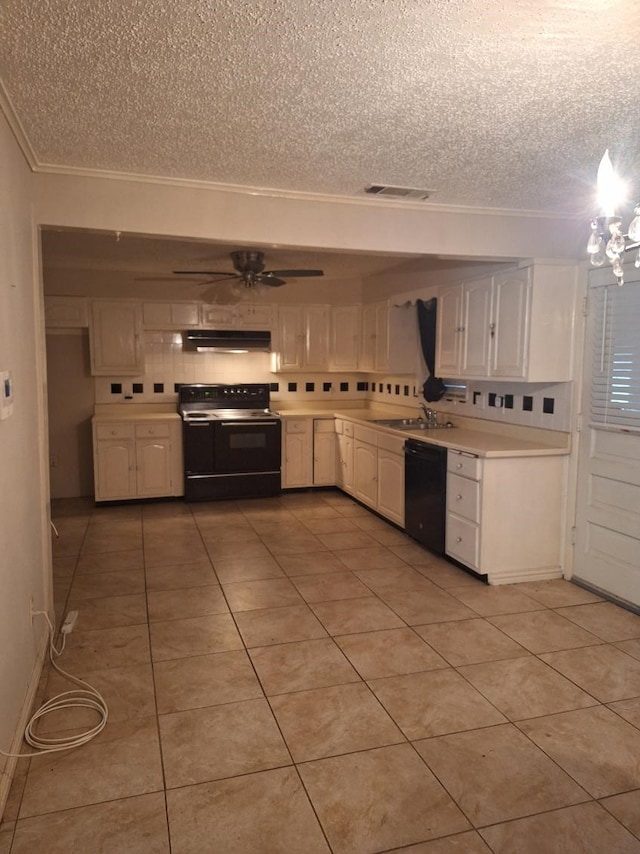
x,y
170,315
302,341
448,351
116,338
389,341
345,338
516,325
65,312
251,315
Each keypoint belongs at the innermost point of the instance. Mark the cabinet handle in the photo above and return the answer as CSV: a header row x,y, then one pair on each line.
x,y
459,465
114,432
492,328
458,498
458,539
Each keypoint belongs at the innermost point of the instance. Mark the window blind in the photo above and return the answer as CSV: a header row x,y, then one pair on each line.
x,y
615,385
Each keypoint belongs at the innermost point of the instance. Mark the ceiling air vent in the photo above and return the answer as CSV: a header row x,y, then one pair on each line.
x,y
412,193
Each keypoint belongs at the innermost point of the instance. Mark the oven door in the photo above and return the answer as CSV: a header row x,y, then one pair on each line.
x,y
247,446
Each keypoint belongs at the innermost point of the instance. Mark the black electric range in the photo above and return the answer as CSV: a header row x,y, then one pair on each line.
x,y
231,441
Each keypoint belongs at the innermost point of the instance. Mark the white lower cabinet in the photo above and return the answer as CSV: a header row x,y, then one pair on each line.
x,y
391,485
324,452
504,515
344,461
297,451
378,472
134,459
308,452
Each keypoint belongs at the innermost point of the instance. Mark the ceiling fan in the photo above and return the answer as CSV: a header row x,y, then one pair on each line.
x,y
250,270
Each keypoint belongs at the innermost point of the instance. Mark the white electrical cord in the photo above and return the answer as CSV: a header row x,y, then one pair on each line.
x,y
86,697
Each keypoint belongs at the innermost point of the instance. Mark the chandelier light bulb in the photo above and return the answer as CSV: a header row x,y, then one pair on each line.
x,y
607,239
611,191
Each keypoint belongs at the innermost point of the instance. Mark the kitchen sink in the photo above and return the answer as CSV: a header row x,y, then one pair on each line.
x,y
412,424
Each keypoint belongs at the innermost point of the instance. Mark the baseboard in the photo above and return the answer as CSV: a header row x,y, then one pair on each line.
x,y
513,576
17,744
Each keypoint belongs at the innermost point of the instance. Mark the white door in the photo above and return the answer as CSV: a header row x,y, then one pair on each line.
x,y
345,337
607,550
509,323
476,314
365,472
290,337
391,485
153,467
115,471
448,339
316,350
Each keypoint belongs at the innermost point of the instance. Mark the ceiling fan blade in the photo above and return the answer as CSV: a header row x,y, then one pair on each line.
x,y
271,280
160,279
205,273
294,274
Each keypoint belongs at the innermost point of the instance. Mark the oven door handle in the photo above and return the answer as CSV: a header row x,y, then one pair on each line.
x,y
248,423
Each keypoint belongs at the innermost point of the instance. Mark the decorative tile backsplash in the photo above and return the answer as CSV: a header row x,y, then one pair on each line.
x,y
168,365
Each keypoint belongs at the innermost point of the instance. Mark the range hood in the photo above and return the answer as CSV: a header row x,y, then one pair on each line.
x,y
226,340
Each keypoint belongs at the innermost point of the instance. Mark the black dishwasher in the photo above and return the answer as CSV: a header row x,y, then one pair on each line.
x,y
425,493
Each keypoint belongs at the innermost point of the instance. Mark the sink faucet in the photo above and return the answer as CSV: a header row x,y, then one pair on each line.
x,y
430,415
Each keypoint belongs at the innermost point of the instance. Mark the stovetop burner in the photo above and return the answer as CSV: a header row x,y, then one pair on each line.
x,y
225,402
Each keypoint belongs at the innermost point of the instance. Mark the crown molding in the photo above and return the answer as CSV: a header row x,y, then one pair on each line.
x,y
299,195
16,127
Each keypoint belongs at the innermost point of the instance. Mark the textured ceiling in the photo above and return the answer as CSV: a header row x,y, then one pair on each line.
x,y
494,103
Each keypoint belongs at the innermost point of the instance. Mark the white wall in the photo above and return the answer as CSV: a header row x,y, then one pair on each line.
x,y
371,225
24,548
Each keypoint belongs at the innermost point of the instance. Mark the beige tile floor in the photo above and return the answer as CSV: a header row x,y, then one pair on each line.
x,y
296,675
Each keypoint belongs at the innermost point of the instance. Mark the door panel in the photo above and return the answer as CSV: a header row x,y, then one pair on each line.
x,y
607,551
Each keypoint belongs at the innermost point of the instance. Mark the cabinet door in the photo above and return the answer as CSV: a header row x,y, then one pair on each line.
x,y
255,316
511,292
391,485
381,362
115,339
368,339
153,467
449,334
115,476
345,337
297,468
324,453
61,312
291,338
170,315
476,315
365,472
219,316
316,346
344,464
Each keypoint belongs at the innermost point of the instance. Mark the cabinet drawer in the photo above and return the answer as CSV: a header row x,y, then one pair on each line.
x,y
296,425
366,434
348,428
157,430
463,497
324,425
462,540
395,444
114,431
464,464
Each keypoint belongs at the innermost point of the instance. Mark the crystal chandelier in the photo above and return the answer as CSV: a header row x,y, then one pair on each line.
x,y
606,240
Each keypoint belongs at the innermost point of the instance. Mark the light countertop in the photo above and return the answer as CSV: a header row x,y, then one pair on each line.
x,y
483,442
